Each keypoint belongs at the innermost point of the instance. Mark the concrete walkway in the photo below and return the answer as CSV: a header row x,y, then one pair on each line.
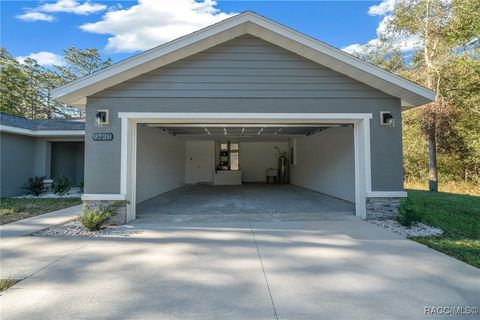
x,y
244,270
28,226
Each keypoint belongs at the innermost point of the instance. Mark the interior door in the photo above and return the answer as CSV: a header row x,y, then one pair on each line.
x,y
200,161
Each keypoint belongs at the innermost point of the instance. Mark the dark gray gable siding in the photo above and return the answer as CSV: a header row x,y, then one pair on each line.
x,y
246,67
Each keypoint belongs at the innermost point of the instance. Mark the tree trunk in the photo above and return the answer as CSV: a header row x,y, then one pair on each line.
x,y
432,160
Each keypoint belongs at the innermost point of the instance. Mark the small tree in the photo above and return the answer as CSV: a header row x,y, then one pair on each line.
x,y
443,28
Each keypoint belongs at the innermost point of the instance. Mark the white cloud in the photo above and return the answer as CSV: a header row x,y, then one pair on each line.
x,y
35,16
44,58
72,6
356,48
385,9
67,6
153,22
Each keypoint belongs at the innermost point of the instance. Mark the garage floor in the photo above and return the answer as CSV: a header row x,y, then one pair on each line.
x,y
256,202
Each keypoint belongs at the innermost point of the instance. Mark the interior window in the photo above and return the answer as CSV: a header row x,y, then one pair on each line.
x,y
234,158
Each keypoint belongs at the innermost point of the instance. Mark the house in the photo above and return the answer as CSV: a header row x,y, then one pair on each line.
x,y
215,106
47,148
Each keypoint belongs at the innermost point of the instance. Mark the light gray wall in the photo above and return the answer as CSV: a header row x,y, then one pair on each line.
x,y
80,162
242,76
17,155
244,67
67,159
42,165
160,163
102,159
256,157
325,163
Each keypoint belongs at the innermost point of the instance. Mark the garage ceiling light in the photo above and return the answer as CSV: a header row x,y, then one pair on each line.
x,y
243,130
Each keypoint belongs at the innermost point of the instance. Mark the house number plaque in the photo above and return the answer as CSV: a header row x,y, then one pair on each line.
x,y
102,136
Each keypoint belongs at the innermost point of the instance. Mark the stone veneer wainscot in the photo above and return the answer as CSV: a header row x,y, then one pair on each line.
x,y
382,208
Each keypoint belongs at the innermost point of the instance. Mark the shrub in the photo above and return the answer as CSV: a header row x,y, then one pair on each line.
x,y
61,184
34,185
408,213
94,219
80,185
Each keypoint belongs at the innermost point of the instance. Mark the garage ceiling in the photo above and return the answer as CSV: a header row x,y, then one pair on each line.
x,y
242,131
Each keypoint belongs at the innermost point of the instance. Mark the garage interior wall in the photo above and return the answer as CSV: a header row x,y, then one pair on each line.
x,y
325,163
160,162
257,157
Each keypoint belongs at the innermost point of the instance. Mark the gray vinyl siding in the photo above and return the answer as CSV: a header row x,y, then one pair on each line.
x,y
17,155
102,159
242,75
245,67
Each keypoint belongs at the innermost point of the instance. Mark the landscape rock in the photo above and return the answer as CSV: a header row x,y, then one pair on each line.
x,y
416,230
76,229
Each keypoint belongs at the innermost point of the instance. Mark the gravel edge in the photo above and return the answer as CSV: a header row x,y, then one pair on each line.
x,y
75,229
416,230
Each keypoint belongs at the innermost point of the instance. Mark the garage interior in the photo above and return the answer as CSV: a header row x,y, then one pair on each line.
x,y
255,169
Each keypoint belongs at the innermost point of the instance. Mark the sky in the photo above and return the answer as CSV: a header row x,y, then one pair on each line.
x,y
120,29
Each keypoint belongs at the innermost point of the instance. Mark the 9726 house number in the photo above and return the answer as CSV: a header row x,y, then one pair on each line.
x,y
102,136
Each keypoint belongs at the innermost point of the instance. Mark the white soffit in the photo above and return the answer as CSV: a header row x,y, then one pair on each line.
x,y
411,94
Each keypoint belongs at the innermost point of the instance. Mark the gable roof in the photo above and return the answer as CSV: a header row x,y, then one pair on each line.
x,y
10,123
411,94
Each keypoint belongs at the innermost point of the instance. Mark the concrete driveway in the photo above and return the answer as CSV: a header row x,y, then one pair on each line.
x,y
245,270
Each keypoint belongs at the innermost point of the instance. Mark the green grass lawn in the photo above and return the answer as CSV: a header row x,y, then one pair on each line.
x,y
458,215
13,209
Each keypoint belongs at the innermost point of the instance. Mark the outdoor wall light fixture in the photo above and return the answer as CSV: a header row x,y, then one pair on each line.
x,y
101,117
386,119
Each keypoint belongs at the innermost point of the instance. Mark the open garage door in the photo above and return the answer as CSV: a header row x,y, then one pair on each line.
x,y
319,164
259,170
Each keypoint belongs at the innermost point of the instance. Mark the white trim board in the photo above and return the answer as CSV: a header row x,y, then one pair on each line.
x,y
219,117
361,142
42,133
387,194
101,196
410,93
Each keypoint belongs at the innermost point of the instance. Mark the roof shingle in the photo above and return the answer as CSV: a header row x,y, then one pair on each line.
x,y
39,125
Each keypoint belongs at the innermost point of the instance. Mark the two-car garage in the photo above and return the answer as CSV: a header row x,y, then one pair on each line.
x,y
204,164
225,169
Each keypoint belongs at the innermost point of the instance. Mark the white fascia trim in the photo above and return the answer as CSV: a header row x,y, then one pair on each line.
x,y
218,117
387,194
245,23
59,133
100,196
42,133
